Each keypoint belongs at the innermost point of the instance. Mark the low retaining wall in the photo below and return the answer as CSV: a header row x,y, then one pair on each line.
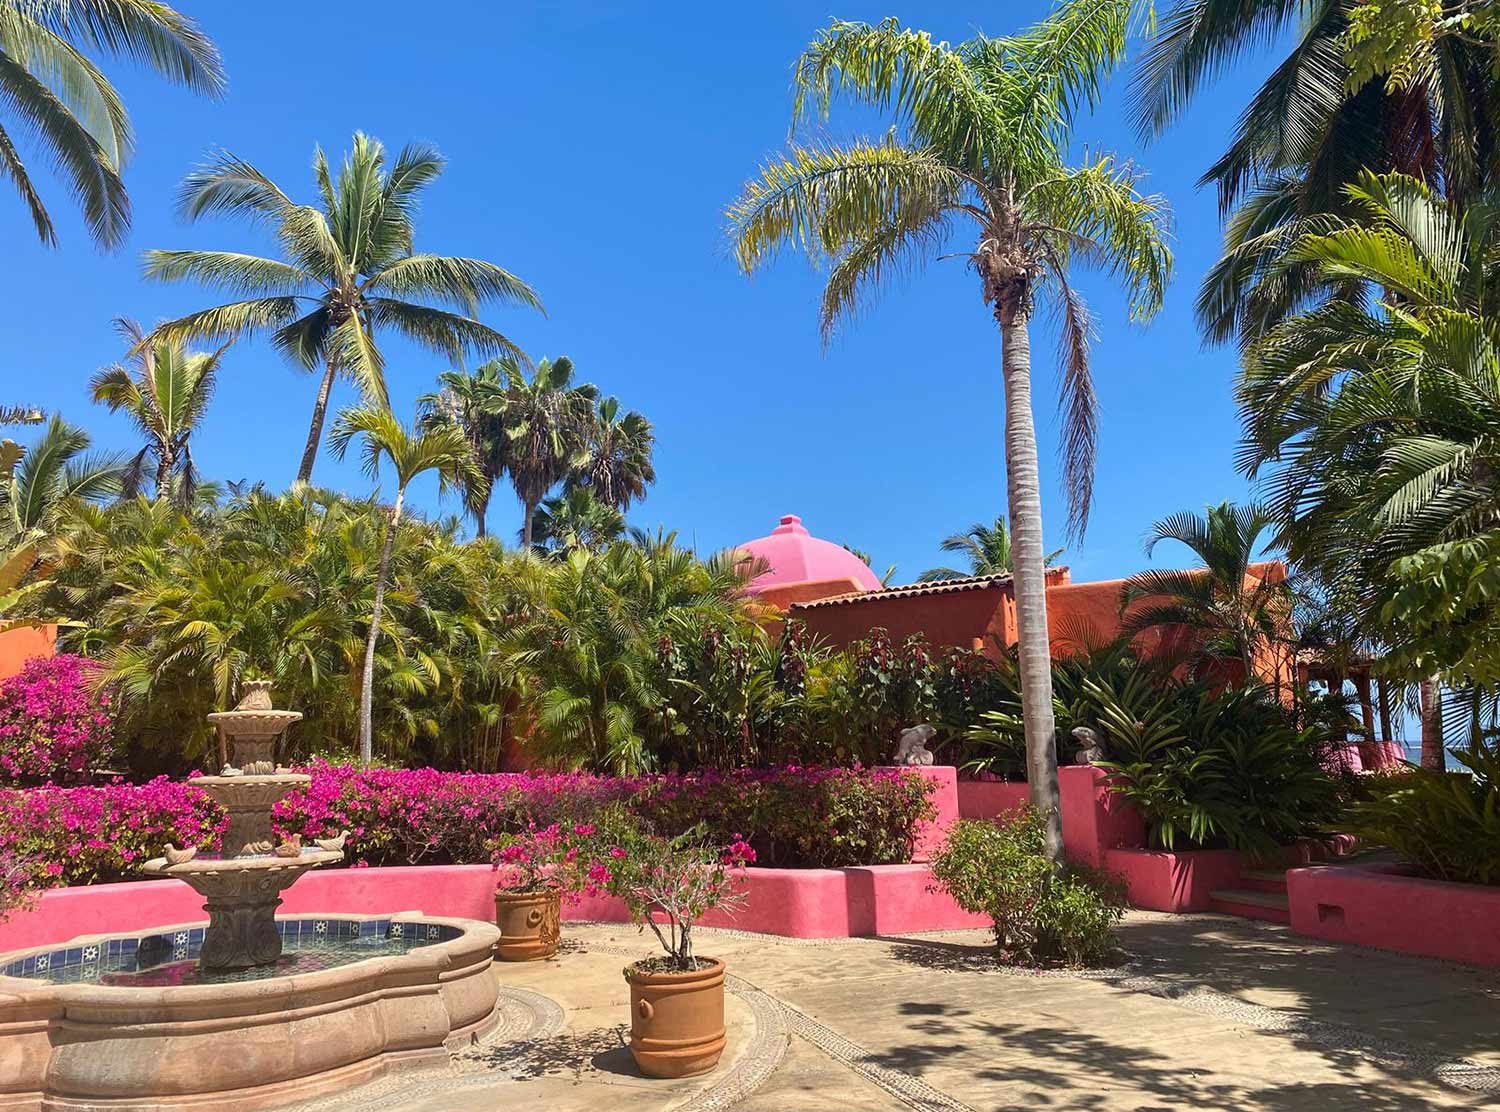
x,y
794,903
1374,906
1160,881
984,799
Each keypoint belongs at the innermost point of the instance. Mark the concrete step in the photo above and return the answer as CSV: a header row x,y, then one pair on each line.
x,y
1247,903
1264,880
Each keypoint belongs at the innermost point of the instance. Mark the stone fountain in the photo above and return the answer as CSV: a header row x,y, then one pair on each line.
x,y
242,886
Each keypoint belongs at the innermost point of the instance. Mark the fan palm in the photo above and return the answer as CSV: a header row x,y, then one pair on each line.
x,y
166,393
1376,426
987,548
350,269
982,139
443,449
1308,131
618,466
69,108
576,519
470,400
547,423
1230,611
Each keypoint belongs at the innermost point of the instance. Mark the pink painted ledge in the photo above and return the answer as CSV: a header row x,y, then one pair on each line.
x,y
1157,880
794,903
1379,907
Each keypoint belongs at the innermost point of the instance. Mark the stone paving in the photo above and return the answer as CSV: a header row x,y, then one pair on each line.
x,y
1206,1012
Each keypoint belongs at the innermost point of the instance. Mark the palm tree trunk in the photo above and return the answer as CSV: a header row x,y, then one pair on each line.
x,y
315,433
1029,578
367,680
529,509
1433,755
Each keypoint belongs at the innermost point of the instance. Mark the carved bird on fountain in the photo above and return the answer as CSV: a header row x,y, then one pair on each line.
x,y
292,847
334,845
177,856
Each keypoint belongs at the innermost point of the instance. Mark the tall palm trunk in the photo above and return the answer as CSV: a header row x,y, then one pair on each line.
x,y
367,680
1433,754
315,433
1029,575
529,511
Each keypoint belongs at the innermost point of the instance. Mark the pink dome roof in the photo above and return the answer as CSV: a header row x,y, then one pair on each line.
x,y
796,556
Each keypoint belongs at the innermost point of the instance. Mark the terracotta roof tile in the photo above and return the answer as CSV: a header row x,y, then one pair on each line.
x,y
909,590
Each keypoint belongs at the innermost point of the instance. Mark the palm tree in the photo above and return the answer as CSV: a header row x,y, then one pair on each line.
x,y
1310,129
470,400
443,449
350,269
982,137
166,392
987,548
39,484
546,422
1375,427
576,519
21,415
618,466
1230,612
76,117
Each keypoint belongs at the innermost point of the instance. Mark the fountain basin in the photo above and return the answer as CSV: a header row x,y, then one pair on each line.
x,y
165,1035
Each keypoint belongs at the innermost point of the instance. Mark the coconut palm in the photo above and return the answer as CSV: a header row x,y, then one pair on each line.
x,y
980,144
21,415
165,390
618,466
546,422
1309,130
442,449
1230,611
576,519
349,270
987,549
470,400
39,484
54,93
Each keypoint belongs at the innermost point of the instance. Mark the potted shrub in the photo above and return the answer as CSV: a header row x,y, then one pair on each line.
x,y
535,870
676,997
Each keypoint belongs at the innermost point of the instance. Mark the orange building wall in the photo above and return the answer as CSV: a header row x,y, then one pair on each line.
x,y
20,644
957,618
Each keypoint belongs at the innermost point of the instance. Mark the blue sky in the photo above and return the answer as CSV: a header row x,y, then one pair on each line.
x,y
592,148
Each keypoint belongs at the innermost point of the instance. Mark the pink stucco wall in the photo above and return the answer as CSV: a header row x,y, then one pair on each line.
x,y
795,903
1371,906
1161,881
985,799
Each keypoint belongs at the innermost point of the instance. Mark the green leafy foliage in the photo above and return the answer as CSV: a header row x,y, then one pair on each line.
x,y
1041,914
1447,824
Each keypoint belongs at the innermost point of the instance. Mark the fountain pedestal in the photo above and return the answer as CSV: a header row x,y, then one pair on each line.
x,y
242,887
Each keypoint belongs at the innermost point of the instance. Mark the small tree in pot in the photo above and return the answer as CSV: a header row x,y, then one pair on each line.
x,y
535,870
676,999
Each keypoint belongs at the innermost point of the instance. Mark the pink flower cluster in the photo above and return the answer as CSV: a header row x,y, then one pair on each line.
x,y
92,834
555,858
55,722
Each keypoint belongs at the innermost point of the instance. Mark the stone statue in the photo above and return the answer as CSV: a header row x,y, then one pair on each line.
x,y
1090,749
912,749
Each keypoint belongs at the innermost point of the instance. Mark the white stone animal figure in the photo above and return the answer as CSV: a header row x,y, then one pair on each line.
x,y
912,749
1090,751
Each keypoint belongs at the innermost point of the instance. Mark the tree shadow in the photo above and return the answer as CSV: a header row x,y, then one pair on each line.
x,y
603,1049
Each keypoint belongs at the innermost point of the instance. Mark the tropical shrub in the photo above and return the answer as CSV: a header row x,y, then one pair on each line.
x,y
555,858
55,722
1040,914
1447,824
17,882
86,835
1215,768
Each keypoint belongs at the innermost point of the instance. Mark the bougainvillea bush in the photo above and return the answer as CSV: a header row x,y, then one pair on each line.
x,y
54,724
91,834
791,817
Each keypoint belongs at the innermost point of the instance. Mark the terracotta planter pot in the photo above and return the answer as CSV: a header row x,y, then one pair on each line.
x,y
677,1020
529,925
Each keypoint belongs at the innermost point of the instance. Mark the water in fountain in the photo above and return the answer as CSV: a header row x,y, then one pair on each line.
x,y
242,886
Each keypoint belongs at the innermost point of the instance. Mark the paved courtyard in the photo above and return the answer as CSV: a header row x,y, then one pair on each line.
x,y
1207,1012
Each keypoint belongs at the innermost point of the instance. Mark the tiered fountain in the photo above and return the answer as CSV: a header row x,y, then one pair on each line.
x,y
127,1020
242,887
